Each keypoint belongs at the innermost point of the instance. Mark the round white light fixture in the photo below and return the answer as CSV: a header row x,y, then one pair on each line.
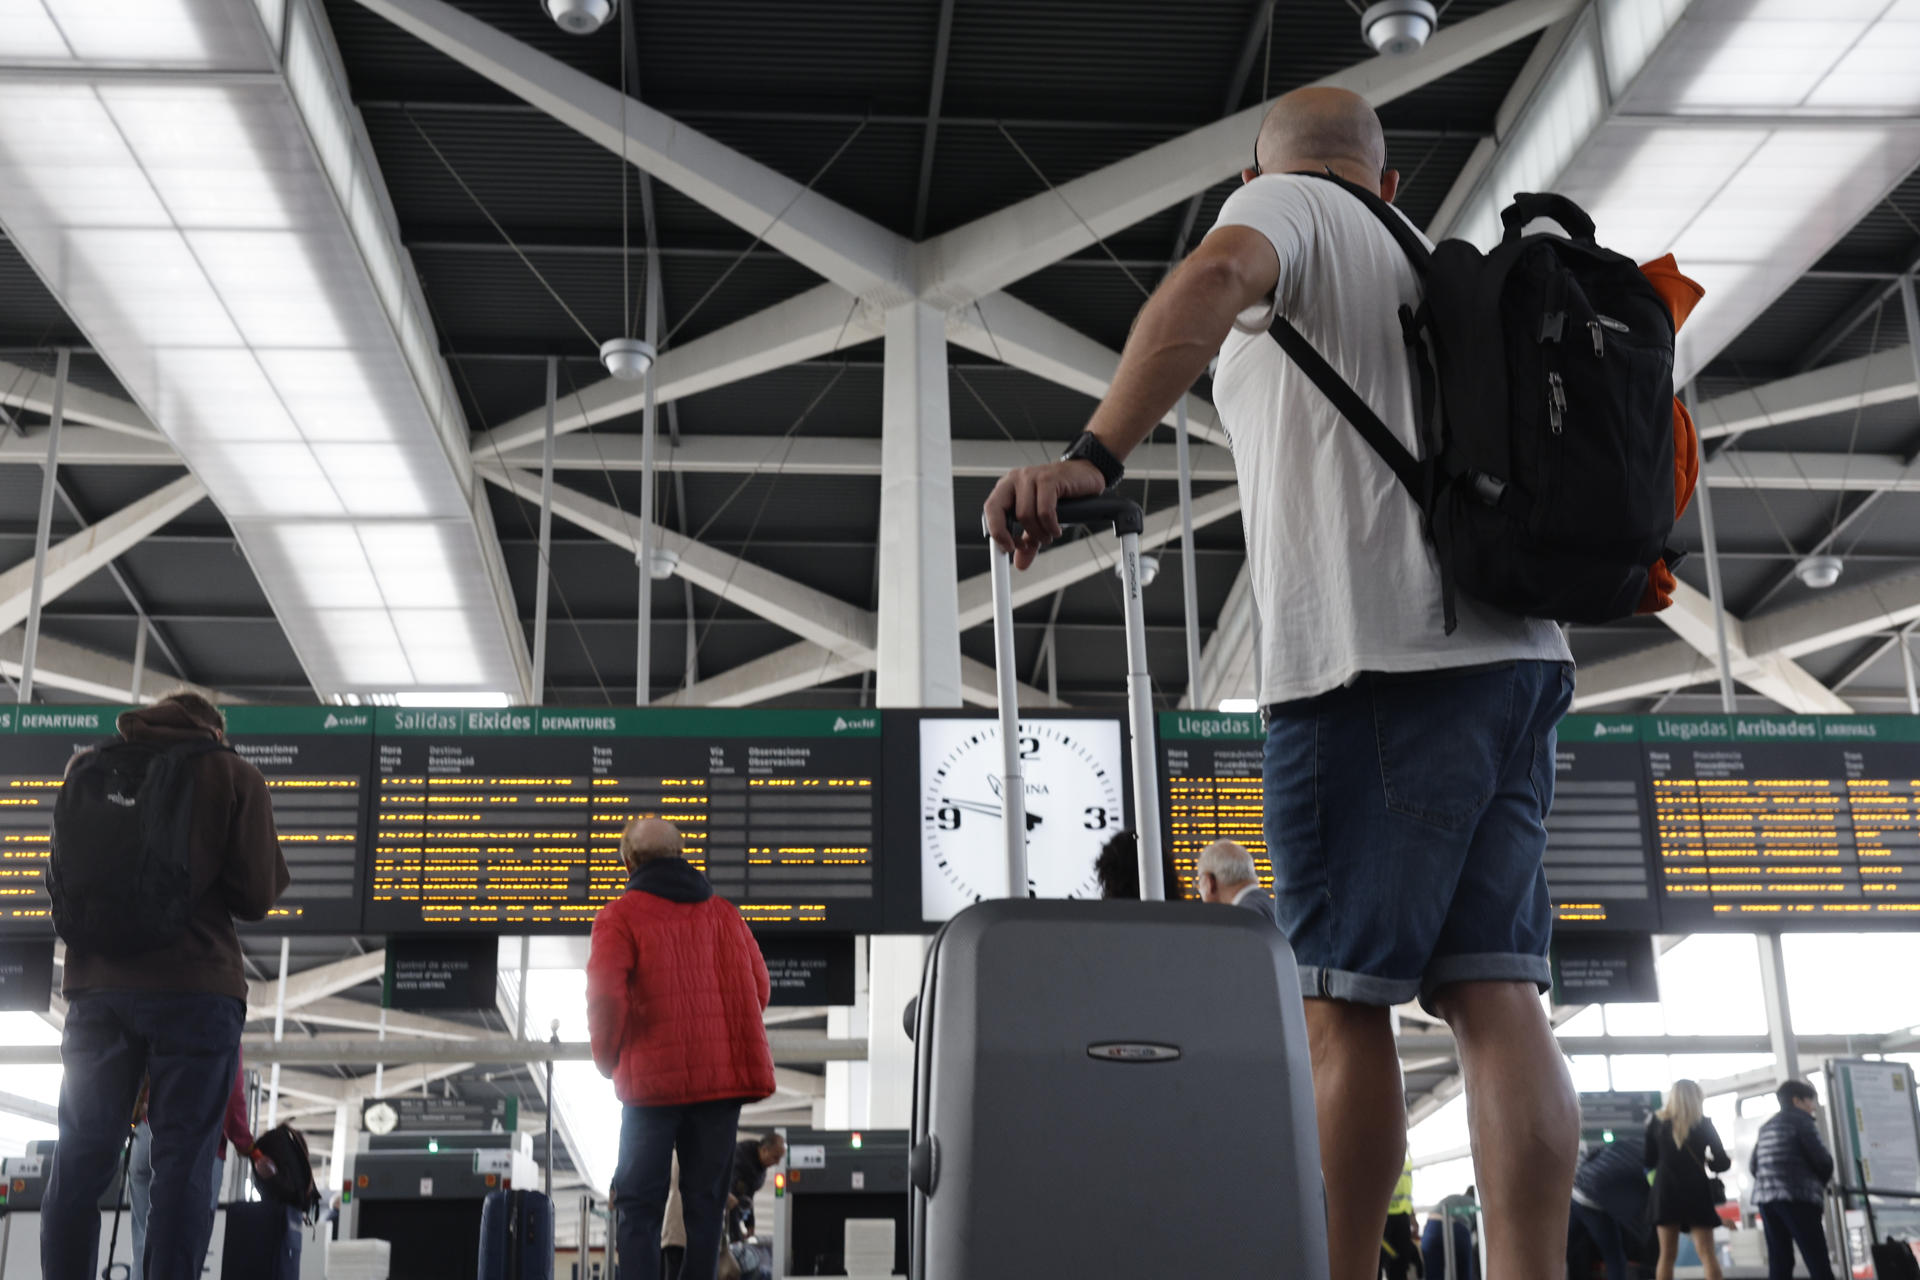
x,y
627,359
581,17
1394,27
1149,570
664,563
1819,572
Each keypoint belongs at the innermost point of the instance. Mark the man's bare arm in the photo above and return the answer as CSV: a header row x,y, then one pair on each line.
x,y
1176,334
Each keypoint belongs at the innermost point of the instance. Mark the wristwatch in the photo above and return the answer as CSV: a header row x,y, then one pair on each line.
x,y
1087,447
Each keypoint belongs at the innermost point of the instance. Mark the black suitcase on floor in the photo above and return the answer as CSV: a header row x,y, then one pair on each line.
x,y
516,1236
1110,1089
263,1240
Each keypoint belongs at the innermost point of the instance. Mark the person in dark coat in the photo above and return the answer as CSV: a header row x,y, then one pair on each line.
x,y
1118,869
1433,1250
1685,1152
1790,1167
1609,1205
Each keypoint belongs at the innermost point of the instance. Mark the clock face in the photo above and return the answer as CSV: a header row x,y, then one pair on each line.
x,y
1075,803
381,1118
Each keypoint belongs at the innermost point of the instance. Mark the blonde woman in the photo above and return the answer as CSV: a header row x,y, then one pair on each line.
x,y
1685,1152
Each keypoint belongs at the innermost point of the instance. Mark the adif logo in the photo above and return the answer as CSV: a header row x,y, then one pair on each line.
x,y
843,725
1602,729
332,721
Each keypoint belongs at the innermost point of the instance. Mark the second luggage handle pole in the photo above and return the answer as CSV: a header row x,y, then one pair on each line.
x,y
1129,522
1013,804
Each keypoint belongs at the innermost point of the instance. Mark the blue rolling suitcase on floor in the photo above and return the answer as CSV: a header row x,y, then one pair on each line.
x,y
516,1236
1113,1089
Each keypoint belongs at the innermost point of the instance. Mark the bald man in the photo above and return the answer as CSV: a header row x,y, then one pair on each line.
x,y
1408,770
676,989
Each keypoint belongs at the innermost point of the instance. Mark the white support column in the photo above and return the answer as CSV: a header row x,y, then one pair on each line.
x,y
544,570
918,640
1189,588
139,661
279,1032
1773,990
844,1102
1905,641
1707,534
649,419
43,530
919,626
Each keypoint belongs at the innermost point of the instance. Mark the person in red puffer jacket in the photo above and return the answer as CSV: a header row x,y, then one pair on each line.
x,y
675,992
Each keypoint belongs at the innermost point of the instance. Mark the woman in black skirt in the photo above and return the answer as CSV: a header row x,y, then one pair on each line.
x,y
1685,1152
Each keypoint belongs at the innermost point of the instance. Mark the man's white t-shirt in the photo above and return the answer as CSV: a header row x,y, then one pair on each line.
x,y
1342,578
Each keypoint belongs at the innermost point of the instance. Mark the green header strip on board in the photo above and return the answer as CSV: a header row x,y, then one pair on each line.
x,y
96,722
1209,724
255,721
1600,729
625,722
1743,730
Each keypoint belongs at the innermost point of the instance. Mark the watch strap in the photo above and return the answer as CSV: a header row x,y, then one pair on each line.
x,y
1087,447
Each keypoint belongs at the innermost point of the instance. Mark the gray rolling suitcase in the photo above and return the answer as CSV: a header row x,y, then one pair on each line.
x,y
1113,1089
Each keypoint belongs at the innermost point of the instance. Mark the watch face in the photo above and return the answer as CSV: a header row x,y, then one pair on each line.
x,y
1074,799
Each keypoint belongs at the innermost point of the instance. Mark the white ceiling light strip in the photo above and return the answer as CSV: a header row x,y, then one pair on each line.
x,y
1744,136
216,227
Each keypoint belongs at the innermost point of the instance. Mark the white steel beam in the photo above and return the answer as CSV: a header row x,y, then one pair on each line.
x,y
89,446
22,388
833,456
1773,674
1026,338
1859,383
1070,562
854,252
810,614
87,552
359,1015
1794,471
61,665
917,639
992,252
308,985
823,319
807,665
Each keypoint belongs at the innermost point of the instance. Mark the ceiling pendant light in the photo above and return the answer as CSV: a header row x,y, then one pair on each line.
x,y
581,17
627,359
1819,572
1395,27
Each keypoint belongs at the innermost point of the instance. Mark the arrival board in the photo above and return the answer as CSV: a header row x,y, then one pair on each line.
x,y
1600,865
1771,822
1210,789
315,761
509,820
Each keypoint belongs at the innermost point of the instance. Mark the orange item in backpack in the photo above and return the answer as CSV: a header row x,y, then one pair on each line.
x,y
1680,294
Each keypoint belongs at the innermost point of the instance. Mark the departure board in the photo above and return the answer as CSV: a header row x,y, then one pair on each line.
x,y
315,761
1600,864
1782,821
1210,788
509,820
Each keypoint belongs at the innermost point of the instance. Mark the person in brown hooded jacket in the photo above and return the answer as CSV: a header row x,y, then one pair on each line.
x,y
172,1015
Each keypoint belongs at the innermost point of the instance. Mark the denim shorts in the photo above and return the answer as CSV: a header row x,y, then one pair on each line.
x,y
1406,820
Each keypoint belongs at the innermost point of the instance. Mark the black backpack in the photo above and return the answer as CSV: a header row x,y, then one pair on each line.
x,y
291,1182
119,867
1545,414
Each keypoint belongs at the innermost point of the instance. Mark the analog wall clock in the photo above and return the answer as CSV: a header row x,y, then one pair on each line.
x,y
1075,804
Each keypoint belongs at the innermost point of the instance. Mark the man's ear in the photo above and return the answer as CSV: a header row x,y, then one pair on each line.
x,y
1389,184
1248,175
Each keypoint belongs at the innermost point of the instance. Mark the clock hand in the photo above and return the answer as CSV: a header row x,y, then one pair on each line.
x,y
1034,820
975,806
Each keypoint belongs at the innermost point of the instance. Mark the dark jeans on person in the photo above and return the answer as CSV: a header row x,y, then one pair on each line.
x,y
1592,1232
187,1044
703,1133
1791,1222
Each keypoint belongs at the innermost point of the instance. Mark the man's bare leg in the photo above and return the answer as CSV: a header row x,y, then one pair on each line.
x,y
1361,1106
1525,1121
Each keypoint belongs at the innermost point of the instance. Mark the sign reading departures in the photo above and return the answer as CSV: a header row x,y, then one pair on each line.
x,y
408,821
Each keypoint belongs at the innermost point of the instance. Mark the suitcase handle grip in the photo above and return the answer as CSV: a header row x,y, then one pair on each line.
x,y
1123,514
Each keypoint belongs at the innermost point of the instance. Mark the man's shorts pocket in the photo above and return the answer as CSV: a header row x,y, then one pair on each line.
x,y
1441,738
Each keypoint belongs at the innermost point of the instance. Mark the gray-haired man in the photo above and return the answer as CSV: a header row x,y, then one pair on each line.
x,y
1225,873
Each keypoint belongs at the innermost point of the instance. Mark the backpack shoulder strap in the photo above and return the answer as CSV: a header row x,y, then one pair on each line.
x,y
1376,433
1398,227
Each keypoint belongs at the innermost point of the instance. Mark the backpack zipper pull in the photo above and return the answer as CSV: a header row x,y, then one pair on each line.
x,y
1556,402
1599,343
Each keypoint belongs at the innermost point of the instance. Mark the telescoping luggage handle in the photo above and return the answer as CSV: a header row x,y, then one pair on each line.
x,y
1127,520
